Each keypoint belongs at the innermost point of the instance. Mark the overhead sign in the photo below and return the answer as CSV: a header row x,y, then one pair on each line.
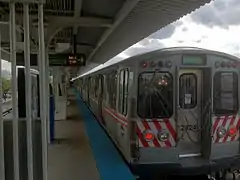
x,y
67,60
64,59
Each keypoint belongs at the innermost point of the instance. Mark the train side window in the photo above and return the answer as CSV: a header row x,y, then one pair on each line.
x,y
225,95
123,91
104,88
112,89
95,87
155,95
188,91
89,87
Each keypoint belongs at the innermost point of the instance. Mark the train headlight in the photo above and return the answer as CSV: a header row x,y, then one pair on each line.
x,y
148,135
163,135
221,132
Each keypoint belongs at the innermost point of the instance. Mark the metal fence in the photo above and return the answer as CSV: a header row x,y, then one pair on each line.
x,y
23,140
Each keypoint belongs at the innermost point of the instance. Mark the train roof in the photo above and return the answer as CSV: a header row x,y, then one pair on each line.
x,y
171,50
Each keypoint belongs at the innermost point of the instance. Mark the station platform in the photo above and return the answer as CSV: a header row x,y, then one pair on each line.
x,y
82,150
70,157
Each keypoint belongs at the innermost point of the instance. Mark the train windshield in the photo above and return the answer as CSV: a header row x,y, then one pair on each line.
x,y
225,92
155,95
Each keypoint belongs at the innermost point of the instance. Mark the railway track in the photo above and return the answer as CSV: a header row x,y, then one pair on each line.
x,y
6,112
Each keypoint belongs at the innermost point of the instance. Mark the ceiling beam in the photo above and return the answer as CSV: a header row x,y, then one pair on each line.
x,y
123,12
81,21
77,11
61,21
24,1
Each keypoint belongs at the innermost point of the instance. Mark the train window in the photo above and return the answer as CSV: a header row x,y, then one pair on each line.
x,y
123,91
88,87
104,89
92,86
155,95
95,87
112,88
188,91
225,93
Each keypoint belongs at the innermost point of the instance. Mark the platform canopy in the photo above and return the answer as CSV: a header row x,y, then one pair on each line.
x,y
100,28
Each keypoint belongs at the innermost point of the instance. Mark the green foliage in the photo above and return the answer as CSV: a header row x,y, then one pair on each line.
x,y
6,85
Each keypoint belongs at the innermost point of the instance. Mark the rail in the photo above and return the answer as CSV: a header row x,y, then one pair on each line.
x,y
7,107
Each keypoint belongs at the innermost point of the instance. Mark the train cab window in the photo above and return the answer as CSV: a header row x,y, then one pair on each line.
x,y
188,91
225,93
155,95
123,91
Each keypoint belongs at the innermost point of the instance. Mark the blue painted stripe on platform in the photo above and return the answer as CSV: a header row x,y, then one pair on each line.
x,y
110,164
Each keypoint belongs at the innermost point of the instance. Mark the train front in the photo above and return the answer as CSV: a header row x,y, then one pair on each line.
x,y
187,113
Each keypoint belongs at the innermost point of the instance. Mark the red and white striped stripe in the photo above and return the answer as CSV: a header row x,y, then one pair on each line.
x,y
225,122
117,117
155,126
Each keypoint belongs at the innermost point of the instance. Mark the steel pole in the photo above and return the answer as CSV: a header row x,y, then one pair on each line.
x,y
14,90
28,91
2,170
41,63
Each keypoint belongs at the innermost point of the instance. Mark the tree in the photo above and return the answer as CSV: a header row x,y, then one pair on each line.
x,y
6,86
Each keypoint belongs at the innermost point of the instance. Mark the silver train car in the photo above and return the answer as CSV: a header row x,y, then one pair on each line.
x,y
173,110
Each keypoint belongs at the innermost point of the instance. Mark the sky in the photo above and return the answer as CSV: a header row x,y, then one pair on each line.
x,y
6,65
215,26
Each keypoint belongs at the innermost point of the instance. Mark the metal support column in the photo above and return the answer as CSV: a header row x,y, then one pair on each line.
x,y
56,89
14,90
2,159
48,95
28,91
43,99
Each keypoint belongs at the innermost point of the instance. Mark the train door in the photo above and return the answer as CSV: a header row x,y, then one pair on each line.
x,y
189,112
122,108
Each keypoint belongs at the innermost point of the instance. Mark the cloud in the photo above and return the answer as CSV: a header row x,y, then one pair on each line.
x,y
146,45
167,31
221,13
164,33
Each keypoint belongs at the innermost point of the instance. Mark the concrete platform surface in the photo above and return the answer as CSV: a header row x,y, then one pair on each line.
x,y
70,158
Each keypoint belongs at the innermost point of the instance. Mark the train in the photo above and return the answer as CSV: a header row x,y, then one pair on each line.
x,y
172,111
